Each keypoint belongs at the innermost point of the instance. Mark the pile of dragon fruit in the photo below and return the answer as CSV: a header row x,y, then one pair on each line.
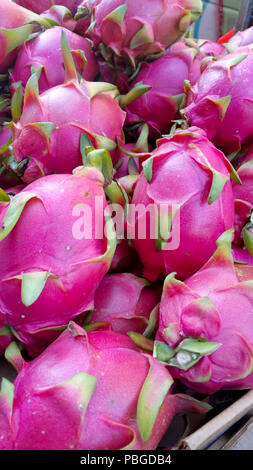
x,y
126,234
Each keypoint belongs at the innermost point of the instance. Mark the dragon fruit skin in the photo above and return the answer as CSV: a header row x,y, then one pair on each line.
x,y
125,301
210,48
211,305
15,30
42,144
113,75
243,195
82,379
242,38
39,6
241,255
160,105
220,105
244,191
55,268
134,31
83,16
45,51
61,16
192,161
125,259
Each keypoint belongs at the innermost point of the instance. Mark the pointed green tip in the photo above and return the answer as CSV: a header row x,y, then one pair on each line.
x,y
69,65
82,12
16,103
32,286
148,168
231,62
142,142
75,329
4,196
32,88
226,238
170,280
218,182
13,356
138,90
118,14
7,391
17,36
141,341
145,35
153,393
247,234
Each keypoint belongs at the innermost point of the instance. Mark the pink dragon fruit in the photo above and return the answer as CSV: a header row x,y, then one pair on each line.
x,y
242,38
125,259
83,16
241,255
92,391
61,16
113,75
219,104
209,48
166,76
47,137
55,268
206,327
184,186
15,30
135,31
44,52
38,6
5,139
243,195
125,301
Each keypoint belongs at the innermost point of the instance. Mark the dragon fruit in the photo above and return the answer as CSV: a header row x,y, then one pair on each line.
x,y
206,327
5,139
83,16
219,104
242,38
92,391
125,301
135,31
160,105
209,48
48,135
241,255
55,268
113,75
61,16
184,200
14,30
44,52
38,6
125,259
243,195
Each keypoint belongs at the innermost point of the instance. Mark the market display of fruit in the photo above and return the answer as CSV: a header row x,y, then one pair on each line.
x,y
126,227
